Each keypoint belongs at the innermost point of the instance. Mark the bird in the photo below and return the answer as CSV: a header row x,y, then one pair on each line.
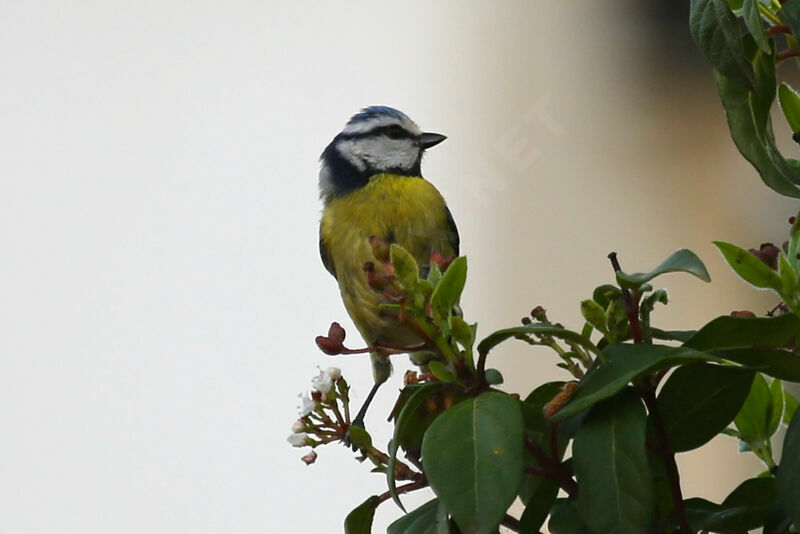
x,y
371,184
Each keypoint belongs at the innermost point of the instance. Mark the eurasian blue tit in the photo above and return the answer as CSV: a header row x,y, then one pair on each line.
x,y
371,185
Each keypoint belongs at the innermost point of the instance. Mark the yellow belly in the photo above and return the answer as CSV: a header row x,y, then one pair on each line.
x,y
405,210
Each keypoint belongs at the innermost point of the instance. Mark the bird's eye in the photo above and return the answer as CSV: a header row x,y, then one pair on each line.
x,y
395,132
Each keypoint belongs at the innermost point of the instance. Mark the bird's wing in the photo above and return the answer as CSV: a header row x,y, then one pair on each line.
x,y
453,230
327,261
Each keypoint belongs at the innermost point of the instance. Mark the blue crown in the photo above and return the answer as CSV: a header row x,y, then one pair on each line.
x,y
372,112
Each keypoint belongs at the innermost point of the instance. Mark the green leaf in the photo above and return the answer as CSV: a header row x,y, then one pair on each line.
x,y
538,507
745,509
405,267
473,459
749,124
699,400
683,261
611,466
790,407
419,411
449,288
752,20
716,32
752,270
727,332
790,104
790,15
359,521
776,406
788,277
423,520
757,342
565,519
753,419
441,372
625,362
788,477
594,314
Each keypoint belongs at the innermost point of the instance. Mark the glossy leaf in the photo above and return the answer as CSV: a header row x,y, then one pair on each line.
x,y
419,411
789,407
565,519
746,508
757,342
359,521
727,332
790,105
748,121
776,406
537,507
423,520
699,400
683,261
752,20
625,362
473,459
716,31
787,275
611,467
753,419
788,476
790,15
449,288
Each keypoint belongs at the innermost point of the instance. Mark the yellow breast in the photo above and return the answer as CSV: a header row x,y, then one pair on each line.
x,y
405,210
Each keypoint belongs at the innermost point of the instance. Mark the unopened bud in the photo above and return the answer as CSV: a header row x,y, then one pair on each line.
x,y
767,253
743,313
377,281
334,373
309,458
442,261
298,426
336,332
539,313
329,346
381,248
298,439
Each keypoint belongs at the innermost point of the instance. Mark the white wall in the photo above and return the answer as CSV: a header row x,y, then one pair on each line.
x,y
160,286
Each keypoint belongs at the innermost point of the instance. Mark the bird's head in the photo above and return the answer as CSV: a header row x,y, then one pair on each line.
x,y
377,139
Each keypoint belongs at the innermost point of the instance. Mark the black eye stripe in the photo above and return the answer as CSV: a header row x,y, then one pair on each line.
x,y
392,131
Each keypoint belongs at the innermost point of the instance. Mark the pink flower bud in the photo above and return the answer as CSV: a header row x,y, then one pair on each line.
x,y
309,458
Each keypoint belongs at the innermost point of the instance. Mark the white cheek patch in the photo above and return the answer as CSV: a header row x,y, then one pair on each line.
x,y
326,186
380,153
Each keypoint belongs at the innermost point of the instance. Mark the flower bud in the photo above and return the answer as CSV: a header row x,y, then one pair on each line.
x,y
328,346
336,332
376,280
767,253
442,261
334,373
309,458
743,313
298,439
298,426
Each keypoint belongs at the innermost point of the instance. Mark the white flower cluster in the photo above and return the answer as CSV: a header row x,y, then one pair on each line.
x,y
321,383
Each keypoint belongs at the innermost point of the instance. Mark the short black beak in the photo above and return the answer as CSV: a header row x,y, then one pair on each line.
x,y
428,140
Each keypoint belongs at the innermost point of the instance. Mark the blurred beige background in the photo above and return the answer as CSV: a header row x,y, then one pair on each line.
x,y
160,287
